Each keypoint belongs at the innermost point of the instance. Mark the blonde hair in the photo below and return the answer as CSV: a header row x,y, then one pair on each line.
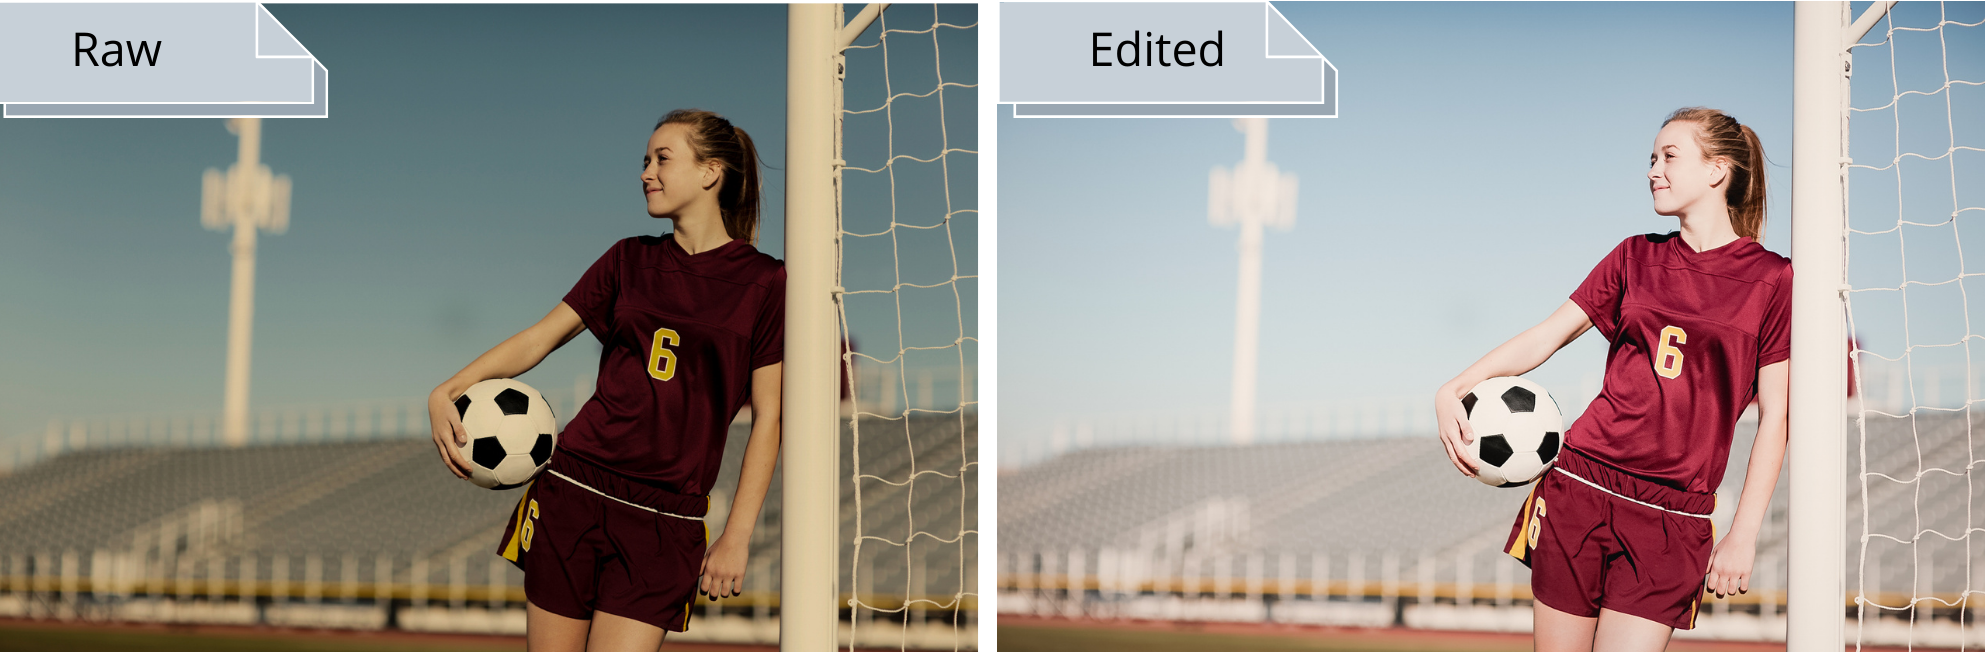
x,y
1722,137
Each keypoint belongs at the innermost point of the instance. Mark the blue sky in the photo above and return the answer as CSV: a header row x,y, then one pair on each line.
x,y
476,161
1487,155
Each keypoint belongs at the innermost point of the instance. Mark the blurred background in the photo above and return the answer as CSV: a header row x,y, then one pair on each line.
x,y
1485,157
476,161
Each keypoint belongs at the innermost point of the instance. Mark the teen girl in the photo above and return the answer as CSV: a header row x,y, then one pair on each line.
x,y
611,536
1618,534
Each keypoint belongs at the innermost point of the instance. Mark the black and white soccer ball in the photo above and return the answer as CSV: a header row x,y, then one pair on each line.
x,y
511,432
1517,427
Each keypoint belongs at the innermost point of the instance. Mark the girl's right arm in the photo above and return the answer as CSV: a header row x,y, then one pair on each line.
x,y
1521,354
506,360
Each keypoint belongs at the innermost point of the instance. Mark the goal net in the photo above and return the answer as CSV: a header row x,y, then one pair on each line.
x,y
1912,257
1913,238
907,237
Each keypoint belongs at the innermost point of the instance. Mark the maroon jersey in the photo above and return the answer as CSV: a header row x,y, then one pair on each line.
x,y
680,336
1687,332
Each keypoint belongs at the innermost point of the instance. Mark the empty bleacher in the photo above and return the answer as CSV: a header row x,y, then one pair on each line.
x,y
1397,509
380,505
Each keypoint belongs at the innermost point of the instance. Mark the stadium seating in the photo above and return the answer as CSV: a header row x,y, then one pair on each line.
x,y
1933,447
1373,499
391,498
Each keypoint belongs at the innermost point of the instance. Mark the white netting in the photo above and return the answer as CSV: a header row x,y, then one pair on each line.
x,y
1913,251
907,244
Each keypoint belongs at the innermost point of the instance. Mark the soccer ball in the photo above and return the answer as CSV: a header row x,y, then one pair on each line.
x,y
511,432
1517,427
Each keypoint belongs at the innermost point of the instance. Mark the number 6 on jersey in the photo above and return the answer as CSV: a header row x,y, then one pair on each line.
x,y
1669,360
662,361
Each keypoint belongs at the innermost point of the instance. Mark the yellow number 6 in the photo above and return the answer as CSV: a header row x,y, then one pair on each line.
x,y
1532,528
1669,360
662,362
524,533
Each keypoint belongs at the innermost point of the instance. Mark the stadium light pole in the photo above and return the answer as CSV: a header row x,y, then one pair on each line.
x,y
1252,196
245,198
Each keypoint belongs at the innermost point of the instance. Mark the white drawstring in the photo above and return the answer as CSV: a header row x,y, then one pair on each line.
x,y
582,485
1590,484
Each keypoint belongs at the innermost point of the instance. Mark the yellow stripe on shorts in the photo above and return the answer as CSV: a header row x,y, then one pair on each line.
x,y
1521,544
517,524
707,541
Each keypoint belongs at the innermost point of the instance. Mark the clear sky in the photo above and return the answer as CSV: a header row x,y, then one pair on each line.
x,y
1487,155
477,159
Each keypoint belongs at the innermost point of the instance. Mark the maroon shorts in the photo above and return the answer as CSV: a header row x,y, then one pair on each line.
x,y
633,552
1630,546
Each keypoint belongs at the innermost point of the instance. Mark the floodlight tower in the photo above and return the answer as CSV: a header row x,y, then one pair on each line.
x,y
1252,196
246,197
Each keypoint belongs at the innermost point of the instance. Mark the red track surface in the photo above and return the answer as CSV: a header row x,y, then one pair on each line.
x,y
399,639
1436,639
409,639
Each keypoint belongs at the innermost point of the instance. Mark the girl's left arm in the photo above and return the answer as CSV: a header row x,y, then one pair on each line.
x,y
1731,561
724,561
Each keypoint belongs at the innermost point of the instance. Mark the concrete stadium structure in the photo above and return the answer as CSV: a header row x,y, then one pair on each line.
x,y
375,534
1380,531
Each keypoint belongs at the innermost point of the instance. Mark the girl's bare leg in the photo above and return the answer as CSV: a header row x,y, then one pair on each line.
x,y
613,633
1557,631
545,631
1624,633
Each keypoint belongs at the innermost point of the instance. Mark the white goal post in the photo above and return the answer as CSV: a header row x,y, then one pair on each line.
x,y
1815,446
1824,33
808,390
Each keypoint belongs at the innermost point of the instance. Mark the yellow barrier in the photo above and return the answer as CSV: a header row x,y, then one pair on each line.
x,y
331,591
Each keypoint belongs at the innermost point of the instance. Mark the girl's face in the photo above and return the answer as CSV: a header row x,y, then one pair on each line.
x,y
671,176
1679,176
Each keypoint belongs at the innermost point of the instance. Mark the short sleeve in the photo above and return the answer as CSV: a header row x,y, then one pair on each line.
x,y
1600,294
1776,331
593,296
769,331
